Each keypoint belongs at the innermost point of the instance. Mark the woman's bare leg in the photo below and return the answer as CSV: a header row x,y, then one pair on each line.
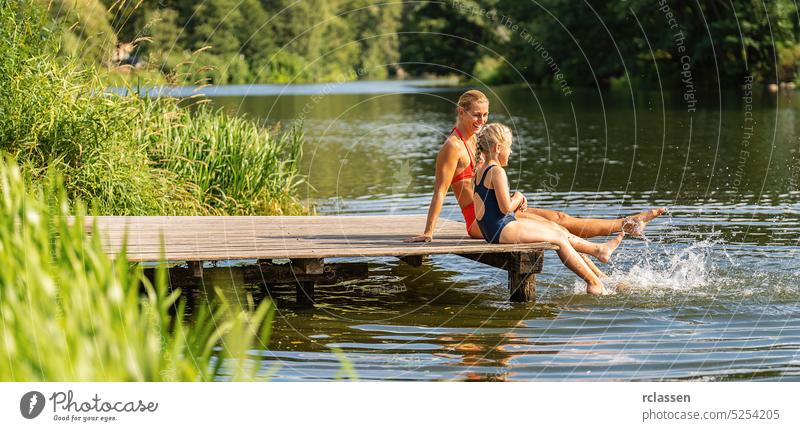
x,y
589,228
526,231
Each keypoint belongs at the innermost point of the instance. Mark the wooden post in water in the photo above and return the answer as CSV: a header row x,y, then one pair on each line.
x,y
415,261
305,293
305,288
522,268
522,271
197,267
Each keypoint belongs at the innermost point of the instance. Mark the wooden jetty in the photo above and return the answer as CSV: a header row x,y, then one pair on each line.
x,y
292,250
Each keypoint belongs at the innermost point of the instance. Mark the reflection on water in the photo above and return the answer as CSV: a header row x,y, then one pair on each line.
x,y
711,295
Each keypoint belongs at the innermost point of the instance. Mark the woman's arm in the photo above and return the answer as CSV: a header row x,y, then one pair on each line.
x,y
499,182
446,163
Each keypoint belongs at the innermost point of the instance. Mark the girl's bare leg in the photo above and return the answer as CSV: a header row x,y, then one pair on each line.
x,y
588,228
600,274
602,251
525,231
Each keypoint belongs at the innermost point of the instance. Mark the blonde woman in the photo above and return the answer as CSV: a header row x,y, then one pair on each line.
x,y
455,165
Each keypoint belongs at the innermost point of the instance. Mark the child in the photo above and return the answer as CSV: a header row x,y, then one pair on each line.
x,y
494,211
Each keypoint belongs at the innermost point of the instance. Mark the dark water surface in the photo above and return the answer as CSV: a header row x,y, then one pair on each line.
x,y
712,295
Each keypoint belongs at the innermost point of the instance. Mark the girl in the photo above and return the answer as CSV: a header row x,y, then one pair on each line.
x,y
454,169
494,212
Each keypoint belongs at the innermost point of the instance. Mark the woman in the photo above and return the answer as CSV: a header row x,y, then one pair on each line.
x,y
494,211
455,164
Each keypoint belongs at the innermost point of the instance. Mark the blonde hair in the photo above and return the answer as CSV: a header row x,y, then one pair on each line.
x,y
490,135
469,97
466,100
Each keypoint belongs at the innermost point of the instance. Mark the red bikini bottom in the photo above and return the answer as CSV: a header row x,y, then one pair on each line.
x,y
469,215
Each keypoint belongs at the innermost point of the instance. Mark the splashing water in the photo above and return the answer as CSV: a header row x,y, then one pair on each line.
x,y
684,269
665,269
701,269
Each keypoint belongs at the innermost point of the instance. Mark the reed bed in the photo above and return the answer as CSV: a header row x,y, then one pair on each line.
x,y
71,313
132,155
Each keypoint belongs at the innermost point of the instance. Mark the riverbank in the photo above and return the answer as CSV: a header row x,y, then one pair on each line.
x,y
71,312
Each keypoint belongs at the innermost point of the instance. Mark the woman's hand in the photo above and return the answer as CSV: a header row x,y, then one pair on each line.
x,y
419,238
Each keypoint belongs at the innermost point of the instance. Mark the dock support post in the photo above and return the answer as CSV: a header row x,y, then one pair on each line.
x,y
305,289
415,261
197,267
522,286
304,293
522,268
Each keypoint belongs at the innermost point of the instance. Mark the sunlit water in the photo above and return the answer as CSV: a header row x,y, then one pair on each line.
x,y
711,295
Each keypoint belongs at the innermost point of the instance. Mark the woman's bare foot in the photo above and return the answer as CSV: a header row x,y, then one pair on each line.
x,y
634,225
607,248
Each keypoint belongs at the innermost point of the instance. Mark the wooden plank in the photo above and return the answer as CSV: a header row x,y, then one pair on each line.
x,y
247,254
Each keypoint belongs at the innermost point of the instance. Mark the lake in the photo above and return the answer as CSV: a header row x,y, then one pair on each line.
x,y
711,294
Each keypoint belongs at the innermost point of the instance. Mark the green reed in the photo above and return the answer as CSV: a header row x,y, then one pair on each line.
x,y
131,155
71,313
238,166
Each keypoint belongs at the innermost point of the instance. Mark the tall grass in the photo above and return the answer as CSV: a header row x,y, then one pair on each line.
x,y
129,155
238,166
71,313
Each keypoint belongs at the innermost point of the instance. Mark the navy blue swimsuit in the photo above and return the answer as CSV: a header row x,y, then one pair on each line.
x,y
493,220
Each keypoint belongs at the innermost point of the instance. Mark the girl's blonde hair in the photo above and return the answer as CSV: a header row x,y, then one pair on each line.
x,y
490,135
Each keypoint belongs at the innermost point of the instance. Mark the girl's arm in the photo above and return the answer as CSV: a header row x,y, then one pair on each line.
x,y
499,182
446,163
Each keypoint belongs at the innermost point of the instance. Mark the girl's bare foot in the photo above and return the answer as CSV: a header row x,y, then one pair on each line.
x,y
634,225
595,289
607,249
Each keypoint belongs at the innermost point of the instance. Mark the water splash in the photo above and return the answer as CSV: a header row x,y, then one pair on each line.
x,y
664,269
660,269
703,269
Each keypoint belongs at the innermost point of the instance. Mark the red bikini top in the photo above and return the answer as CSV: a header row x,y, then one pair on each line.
x,y
468,171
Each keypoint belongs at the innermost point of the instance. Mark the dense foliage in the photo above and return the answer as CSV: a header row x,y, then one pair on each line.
x,y
261,40
588,42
